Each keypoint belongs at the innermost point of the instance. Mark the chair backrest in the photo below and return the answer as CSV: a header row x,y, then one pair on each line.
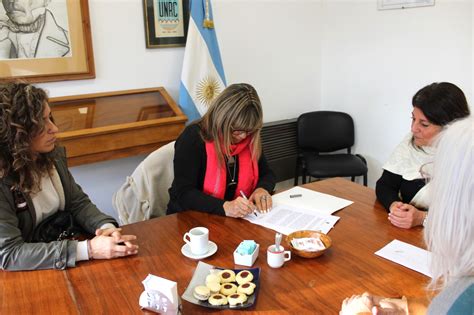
x,y
325,131
144,194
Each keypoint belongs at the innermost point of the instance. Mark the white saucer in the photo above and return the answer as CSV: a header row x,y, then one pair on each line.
x,y
211,250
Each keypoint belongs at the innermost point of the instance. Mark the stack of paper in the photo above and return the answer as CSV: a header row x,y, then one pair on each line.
x,y
310,200
301,209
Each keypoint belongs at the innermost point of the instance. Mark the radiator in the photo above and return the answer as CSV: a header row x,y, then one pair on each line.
x,y
280,147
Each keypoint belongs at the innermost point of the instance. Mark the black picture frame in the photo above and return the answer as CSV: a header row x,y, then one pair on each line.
x,y
173,30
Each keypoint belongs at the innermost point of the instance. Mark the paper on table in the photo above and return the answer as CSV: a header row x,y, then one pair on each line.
x,y
407,255
310,199
286,219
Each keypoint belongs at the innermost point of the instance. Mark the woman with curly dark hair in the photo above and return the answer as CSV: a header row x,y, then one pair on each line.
x,y
36,189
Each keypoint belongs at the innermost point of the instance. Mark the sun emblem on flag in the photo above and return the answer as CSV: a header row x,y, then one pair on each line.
x,y
207,89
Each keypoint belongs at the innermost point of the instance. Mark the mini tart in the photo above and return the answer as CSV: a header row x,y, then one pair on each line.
x,y
227,276
213,278
228,288
218,299
244,276
236,298
246,288
215,287
201,293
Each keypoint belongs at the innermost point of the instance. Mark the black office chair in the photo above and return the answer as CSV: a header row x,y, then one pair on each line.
x,y
322,132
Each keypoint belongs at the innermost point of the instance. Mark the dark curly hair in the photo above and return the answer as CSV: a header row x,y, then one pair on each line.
x,y
21,119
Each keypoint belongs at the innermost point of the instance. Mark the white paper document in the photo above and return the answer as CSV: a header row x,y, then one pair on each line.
x,y
302,198
407,255
286,219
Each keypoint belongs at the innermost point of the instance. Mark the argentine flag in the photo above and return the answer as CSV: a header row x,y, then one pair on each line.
x,y
202,78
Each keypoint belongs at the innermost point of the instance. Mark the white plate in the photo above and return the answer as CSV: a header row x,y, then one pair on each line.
x,y
211,250
199,278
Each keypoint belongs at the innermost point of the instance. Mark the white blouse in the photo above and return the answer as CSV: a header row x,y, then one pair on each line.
x,y
407,161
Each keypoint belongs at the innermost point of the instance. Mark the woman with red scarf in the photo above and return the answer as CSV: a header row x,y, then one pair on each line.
x,y
218,160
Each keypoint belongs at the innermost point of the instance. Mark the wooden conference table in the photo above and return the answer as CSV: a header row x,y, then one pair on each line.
x,y
301,286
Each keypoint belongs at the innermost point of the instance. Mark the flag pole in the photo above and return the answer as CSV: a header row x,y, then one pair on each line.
x,y
207,23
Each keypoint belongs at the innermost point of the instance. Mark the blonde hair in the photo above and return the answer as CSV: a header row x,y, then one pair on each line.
x,y
449,231
236,108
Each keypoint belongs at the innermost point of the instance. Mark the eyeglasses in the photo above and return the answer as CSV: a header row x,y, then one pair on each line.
x,y
238,133
426,170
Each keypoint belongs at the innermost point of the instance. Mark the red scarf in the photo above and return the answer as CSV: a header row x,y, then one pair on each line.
x,y
216,176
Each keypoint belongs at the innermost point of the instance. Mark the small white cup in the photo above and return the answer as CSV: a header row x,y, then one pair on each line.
x,y
276,258
198,240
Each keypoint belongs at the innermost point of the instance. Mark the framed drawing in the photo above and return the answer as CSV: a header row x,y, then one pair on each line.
x,y
51,42
166,22
403,4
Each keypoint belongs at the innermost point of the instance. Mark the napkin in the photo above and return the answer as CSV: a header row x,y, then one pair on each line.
x,y
246,247
160,295
310,244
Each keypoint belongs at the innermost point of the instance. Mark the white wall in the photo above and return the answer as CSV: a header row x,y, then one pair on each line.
x,y
276,47
301,55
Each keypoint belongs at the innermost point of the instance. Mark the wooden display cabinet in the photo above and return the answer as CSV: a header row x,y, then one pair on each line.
x,y
105,126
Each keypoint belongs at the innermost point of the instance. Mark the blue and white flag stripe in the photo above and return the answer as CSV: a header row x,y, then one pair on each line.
x,y
208,34
202,65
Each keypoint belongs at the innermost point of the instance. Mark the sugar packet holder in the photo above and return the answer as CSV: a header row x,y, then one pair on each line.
x,y
243,257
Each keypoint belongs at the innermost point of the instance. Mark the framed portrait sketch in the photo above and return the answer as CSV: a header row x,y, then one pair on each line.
x,y
49,42
166,22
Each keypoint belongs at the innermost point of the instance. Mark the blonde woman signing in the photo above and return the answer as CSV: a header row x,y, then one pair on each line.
x,y
218,164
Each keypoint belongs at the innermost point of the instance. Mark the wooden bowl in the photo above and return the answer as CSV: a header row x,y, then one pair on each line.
x,y
308,233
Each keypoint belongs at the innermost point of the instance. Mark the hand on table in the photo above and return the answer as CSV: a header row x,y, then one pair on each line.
x,y
107,244
356,304
262,199
238,208
405,216
367,303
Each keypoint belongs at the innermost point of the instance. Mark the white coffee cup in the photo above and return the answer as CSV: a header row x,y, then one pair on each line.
x,y
198,240
277,257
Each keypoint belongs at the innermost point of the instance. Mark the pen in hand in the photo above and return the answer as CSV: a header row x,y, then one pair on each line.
x,y
245,197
